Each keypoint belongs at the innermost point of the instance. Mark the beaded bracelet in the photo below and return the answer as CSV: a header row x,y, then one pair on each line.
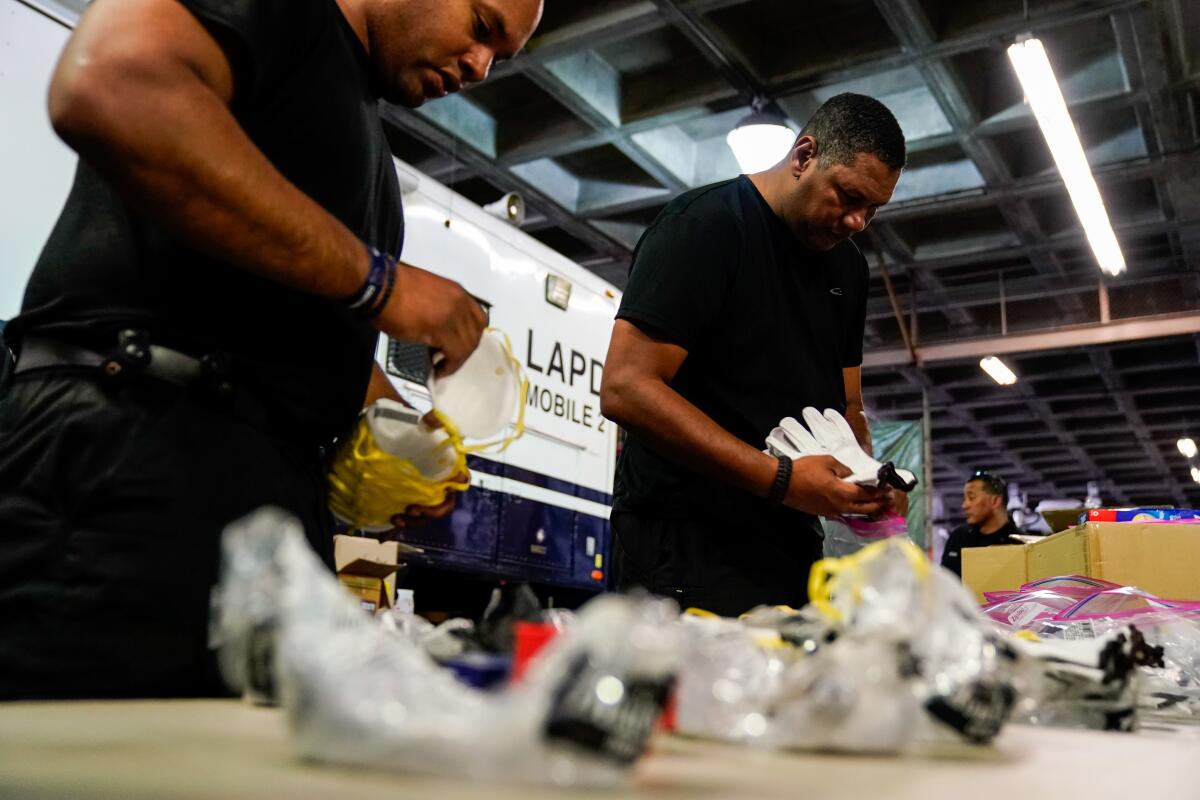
x,y
376,290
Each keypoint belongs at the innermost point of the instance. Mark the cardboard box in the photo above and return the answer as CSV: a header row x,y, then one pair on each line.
x,y
367,568
1008,566
1062,519
1163,559
1140,514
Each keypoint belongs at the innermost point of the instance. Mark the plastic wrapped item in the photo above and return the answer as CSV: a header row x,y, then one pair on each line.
x,y
1089,684
1077,585
1170,690
846,535
892,656
1018,610
358,694
1115,601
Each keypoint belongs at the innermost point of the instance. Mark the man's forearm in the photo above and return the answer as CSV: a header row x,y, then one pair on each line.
x,y
158,127
184,162
857,417
652,409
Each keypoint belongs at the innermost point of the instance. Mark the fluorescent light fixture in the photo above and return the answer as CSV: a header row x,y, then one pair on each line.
x,y
998,371
1187,446
760,141
1029,59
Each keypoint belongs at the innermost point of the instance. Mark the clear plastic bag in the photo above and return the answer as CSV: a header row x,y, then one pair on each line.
x,y
1115,601
1021,610
1077,585
892,656
356,693
845,536
1170,690
1091,684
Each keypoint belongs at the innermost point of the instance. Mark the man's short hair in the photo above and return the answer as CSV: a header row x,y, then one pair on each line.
x,y
848,124
992,484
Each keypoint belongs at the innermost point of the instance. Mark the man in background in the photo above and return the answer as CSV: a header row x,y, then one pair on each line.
x,y
984,502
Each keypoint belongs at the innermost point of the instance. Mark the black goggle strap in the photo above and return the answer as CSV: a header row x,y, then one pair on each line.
x,y
888,475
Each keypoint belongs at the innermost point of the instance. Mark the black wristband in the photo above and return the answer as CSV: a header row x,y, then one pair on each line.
x,y
783,477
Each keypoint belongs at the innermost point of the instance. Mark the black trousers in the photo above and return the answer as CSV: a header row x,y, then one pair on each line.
x,y
112,503
727,569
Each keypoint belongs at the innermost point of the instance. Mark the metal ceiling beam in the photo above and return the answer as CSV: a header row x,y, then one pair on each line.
x,y
1102,359
953,300
917,377
583,108
1084,335
435,137
998,33
1140,40
908,21
567,143
929,285
954,202
1021,413
610,26
722,55
700,106
987,255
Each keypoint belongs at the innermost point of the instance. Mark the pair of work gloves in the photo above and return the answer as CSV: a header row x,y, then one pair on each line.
x,y
829,434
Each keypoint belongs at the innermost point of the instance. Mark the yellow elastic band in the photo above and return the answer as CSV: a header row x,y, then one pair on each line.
x,y
368,486
831,576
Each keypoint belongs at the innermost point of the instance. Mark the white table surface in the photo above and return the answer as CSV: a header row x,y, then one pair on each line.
x,y
224,749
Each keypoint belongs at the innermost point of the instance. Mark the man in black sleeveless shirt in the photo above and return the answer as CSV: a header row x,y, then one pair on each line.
x,y
746,303
203,318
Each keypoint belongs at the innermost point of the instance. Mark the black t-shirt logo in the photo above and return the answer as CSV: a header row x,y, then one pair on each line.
x,y
836,290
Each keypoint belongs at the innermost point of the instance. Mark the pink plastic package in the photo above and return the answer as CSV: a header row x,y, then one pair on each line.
x,y
883,527
1120,601
1075,585
1023,609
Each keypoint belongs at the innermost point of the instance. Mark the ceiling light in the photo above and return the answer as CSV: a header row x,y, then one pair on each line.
x,y
998,371
1196,474
760,141
1187,446
1029,59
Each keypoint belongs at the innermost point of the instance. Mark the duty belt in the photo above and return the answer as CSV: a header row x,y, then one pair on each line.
x,y
134,355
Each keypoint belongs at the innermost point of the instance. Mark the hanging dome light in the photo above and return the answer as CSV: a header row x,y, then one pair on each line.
x,y
760,140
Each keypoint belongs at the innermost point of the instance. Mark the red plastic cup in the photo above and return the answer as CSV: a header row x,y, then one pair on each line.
x,y
528,639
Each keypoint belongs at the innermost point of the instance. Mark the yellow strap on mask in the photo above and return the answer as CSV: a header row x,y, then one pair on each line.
x,y
368,486
832,576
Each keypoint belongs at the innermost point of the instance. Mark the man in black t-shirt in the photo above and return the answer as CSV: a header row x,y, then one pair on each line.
x,y
984,498
746,303
202,321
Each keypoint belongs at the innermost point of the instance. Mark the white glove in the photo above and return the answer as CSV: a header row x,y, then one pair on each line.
x,y
793,440
831,435
835,434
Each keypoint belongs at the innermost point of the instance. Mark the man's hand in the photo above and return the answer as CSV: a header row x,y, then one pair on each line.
x,y
817,487
435,311
416,516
